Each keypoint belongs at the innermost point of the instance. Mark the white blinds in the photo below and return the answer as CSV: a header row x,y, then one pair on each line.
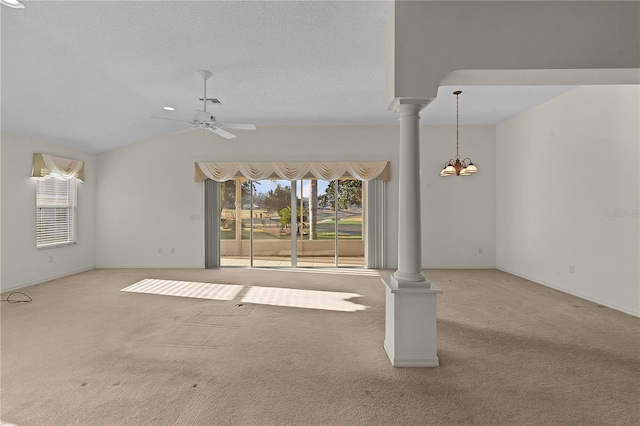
x,y
56,212
292,170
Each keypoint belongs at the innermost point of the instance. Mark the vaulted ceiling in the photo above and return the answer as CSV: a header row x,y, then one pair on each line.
x,y
89,75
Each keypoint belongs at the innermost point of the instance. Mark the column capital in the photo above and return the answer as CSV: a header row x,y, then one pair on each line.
x,y
420,103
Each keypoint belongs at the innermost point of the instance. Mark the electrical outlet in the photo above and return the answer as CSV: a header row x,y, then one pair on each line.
x,y
479,251
572,269
160,251
173,250
51,259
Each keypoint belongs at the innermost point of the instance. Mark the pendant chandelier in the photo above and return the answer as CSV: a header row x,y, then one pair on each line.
x,y
454,166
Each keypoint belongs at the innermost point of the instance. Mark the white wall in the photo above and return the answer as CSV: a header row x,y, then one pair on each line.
x,y
567,194
147,196
458,211
147,193
22,263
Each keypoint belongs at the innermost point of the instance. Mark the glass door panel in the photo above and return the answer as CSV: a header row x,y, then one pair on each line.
x,y
271,228
246,220
350,223
232,250
316,242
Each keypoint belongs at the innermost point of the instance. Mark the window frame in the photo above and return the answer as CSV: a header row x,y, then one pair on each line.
x,y
56,212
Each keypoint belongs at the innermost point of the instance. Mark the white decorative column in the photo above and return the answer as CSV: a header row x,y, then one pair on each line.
x,y
410,320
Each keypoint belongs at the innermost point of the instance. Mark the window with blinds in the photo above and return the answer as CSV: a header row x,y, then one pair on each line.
x,y
56,217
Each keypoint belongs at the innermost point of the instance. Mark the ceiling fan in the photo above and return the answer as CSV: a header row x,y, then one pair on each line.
x,y
206,121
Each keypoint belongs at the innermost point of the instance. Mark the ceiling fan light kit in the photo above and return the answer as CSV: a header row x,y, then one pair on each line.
x,y
207,121
454,166
14,4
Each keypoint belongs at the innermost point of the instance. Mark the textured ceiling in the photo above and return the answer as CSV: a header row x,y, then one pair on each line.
x,y
482,105
89,74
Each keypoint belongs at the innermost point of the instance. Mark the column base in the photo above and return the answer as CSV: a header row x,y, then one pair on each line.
x,y
409,362
402,280
410,324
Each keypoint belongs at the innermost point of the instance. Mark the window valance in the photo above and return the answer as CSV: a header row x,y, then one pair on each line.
x,y
292,170
44,164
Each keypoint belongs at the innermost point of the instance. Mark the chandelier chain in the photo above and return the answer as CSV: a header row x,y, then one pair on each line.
x,y
457,126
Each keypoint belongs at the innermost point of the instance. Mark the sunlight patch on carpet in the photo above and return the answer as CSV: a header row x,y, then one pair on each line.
x,y
296,298
185,289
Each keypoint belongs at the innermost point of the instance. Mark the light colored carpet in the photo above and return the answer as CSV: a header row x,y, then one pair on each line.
x,y
512,353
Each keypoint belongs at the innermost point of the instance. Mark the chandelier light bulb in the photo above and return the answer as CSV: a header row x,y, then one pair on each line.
x,y
471,168
449,170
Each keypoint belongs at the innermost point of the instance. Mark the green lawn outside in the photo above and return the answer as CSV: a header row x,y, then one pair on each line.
x,y
343,222
275,235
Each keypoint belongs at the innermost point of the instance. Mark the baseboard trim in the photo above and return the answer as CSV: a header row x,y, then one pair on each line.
x,y
44,280
457,267
394,267
162,266
574,293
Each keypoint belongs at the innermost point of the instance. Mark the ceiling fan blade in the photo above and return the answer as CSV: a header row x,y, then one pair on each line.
x,y
223,133
173,119
239,126
185,130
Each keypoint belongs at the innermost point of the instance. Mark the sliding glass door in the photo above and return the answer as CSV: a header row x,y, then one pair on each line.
x,y
304,223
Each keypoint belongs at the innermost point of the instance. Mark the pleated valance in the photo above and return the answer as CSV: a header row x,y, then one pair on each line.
x,y
67,168
292,170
